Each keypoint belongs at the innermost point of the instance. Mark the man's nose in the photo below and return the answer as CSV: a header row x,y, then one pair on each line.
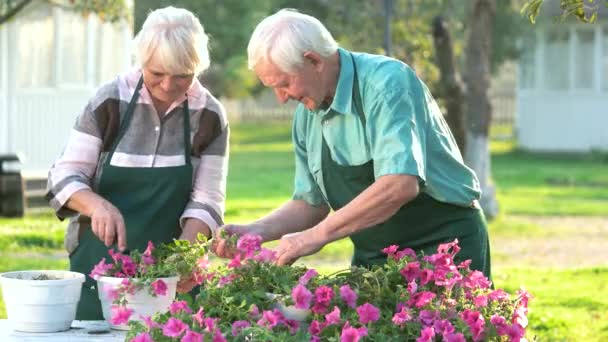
x,y
281,95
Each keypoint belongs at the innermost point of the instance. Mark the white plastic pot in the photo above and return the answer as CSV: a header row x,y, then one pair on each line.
x,y
41,305
141,302
288,311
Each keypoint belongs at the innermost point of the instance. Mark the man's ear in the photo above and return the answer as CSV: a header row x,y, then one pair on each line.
x,y
314,59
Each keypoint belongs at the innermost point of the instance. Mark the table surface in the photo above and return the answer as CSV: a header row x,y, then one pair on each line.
x,y
81,331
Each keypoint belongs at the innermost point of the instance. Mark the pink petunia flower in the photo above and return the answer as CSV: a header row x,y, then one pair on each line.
x,y
476,280
218,337
192,336
351,334
301,297
476,323
480,301
324,295
348,295
150,324
459,337
316,327
368,313
142,337
236,261
237,326
412,287
292,325
269,319
100,269
254,312
498,295
500,323
402,316
174,327
333,318
199,317
120,315
147,257
390,251
444,248
311,273
426,335
410,271
249,244
179,305
159,287
420,299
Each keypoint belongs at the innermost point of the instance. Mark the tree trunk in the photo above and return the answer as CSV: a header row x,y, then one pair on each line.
x,y
450,85
477,102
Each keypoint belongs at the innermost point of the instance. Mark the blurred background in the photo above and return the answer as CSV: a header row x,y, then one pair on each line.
x,y
527,103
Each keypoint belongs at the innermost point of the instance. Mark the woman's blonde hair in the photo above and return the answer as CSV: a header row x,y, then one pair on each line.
x,y
177,38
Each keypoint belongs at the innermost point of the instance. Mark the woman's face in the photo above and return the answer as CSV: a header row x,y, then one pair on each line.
x,y
162,85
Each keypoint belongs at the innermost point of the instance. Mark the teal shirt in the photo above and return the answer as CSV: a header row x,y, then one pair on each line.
x,y
404,132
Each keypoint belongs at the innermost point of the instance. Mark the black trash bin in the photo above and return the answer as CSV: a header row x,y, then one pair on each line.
x,y
12,196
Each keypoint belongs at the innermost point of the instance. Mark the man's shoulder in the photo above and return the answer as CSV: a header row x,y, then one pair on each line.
x,y
381,72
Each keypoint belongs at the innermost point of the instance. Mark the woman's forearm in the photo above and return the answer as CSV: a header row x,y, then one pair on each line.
x,y
85,202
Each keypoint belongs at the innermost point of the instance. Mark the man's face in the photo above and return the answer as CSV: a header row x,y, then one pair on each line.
x,y
162,85
304,85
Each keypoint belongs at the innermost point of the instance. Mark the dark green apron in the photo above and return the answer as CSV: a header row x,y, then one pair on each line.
x,y
422,224
151,200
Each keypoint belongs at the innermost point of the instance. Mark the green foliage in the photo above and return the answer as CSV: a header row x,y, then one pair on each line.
x,y
583,11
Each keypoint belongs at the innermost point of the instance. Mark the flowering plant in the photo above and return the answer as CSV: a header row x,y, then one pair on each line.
x,y
146,271
422,298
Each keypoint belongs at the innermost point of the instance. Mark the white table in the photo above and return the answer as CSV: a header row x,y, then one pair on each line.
x,y
81,331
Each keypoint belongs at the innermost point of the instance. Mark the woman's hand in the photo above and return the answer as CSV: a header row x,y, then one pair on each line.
x,y
186,285
108,225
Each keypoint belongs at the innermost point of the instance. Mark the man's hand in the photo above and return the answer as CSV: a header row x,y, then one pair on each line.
x,y
186,285
293,246
108,225
222,247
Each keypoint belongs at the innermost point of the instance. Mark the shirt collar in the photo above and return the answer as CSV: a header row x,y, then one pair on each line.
x,y
343,98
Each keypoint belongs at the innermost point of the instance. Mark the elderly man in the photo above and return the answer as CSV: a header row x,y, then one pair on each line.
x,y
371,144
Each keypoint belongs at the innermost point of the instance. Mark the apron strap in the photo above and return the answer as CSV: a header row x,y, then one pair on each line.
x,y
357,91
187,146
126,120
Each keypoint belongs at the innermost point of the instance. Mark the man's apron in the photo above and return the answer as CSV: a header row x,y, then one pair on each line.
x,y
151,201
422,224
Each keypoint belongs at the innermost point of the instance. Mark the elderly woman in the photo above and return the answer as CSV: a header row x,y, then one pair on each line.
x,y
147,158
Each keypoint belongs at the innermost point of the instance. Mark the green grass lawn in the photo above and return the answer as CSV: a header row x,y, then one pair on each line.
x,y
570,304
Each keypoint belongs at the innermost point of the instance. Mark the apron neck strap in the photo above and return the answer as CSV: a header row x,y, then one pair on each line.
x,y
124,124
357,92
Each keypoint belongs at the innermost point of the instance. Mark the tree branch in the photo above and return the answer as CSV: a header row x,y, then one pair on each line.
x,y
12,12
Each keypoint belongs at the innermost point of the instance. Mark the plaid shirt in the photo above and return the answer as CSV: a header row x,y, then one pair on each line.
x,y
151,140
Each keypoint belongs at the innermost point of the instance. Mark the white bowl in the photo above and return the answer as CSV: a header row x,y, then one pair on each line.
x,y
142,303
41,305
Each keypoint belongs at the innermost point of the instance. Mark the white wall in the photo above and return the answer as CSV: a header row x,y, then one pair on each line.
x,y
562,123
46,78
572,115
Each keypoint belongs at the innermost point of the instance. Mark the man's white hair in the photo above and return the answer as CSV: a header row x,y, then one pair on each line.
x,y
285,36
177,38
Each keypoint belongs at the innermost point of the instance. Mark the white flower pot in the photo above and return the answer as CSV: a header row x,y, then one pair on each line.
x,y
41,305
141,302
288,311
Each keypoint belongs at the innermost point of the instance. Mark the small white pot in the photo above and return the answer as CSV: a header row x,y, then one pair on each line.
x,y
41,305
288,311
141,302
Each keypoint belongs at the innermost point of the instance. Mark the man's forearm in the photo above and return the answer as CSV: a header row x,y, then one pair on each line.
x,y
192,227
291,217
375,205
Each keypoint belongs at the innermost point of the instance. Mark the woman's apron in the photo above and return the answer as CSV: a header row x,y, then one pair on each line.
x,y
151,201
422,224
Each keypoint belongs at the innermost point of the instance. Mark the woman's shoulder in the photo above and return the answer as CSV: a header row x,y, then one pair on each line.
x,y
202,102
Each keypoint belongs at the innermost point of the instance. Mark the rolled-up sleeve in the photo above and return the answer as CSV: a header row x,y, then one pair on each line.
x,y
74,169
208,198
